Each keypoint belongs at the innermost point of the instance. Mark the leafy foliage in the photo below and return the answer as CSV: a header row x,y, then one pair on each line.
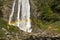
x,y
49,10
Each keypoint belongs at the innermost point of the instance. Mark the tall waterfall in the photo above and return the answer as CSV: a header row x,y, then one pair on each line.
x,y
22,15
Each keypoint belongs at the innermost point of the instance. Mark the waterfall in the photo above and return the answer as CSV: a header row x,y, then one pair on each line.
x,y
22,19
18,12
10,18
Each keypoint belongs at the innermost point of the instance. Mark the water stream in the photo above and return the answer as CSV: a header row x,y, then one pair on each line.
x,y
22,15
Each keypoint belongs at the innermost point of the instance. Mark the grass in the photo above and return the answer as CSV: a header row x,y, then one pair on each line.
x,y
9,28
45,26
5,28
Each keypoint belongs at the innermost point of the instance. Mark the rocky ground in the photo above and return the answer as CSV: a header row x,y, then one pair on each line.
x,y
13,33
17,34
9,32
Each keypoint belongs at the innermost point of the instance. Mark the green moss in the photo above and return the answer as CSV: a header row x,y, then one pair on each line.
x,y
4,27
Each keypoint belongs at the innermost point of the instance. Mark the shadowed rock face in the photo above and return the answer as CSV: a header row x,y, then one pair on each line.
x,y
33,9
6,9
1,14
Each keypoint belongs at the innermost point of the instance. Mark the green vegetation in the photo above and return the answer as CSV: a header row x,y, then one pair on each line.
x,y
6,29
49,16
44,26
49,13
49,10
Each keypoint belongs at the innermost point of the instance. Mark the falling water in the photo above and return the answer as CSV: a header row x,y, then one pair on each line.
x,y
10,18
22,19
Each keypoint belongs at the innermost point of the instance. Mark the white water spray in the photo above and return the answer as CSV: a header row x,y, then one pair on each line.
x,y
18,18
23,15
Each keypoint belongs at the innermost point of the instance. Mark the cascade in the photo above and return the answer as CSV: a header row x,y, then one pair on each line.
x,y
20,15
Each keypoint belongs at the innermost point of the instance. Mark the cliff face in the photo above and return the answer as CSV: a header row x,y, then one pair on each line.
x,y
46,10
33,9
6,9
42,11
45,20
